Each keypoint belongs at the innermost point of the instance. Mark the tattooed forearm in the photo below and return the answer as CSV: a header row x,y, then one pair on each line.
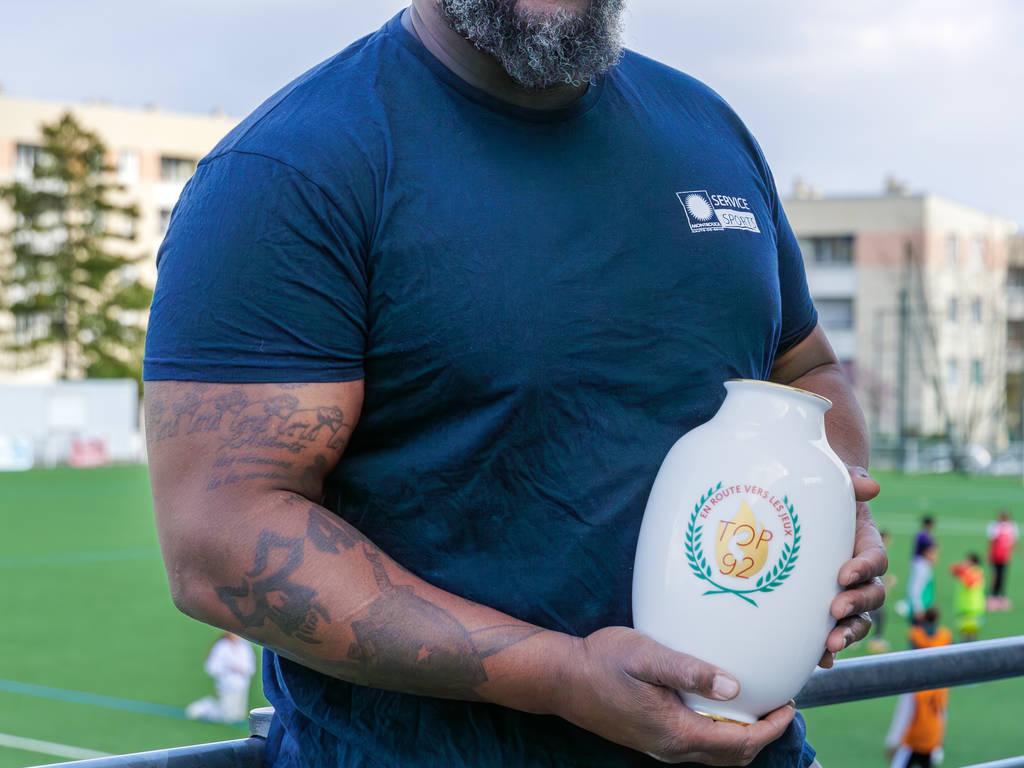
x,y
407,643
402,640
326,533
273,595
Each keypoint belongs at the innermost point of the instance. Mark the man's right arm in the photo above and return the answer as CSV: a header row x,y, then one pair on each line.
x,y
237,471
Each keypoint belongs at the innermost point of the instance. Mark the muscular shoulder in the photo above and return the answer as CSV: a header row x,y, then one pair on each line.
x,y
652,77
329,120
668,95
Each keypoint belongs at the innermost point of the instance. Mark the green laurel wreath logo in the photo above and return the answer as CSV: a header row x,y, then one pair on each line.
x,y
768,581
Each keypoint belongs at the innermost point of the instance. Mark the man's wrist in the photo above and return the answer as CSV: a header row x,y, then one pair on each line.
x,y
539,678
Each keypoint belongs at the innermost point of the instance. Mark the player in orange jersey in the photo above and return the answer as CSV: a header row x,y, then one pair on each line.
x,y
919,724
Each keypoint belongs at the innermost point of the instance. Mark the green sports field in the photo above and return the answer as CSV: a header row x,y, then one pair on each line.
x,y
93,656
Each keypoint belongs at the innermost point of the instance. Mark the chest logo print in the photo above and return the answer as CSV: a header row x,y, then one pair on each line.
x,y
716,213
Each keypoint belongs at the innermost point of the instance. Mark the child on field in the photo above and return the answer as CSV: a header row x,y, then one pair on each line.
x,y
919,724
969,599
231,663
1002,536
921,582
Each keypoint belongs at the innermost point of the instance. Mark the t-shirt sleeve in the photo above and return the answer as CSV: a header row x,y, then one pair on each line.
x,y
799,317
261,278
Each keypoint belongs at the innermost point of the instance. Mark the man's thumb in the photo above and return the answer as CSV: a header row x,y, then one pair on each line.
x,y
686,673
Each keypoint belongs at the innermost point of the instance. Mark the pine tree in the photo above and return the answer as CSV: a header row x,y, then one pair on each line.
x,y
69,276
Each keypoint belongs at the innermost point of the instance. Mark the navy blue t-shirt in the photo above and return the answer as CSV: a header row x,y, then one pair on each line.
x,y
540,303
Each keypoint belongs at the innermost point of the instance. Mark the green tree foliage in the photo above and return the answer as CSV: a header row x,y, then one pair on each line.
x,y
70,275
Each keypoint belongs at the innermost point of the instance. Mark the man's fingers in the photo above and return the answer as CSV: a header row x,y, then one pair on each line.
x,y
859,599
848,631
869,555
828,659
865,488
660,665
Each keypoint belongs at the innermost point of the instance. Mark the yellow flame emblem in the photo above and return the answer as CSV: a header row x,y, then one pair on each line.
x,y
741,547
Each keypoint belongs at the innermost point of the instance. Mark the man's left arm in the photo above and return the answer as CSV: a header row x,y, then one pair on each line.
x,y
812,365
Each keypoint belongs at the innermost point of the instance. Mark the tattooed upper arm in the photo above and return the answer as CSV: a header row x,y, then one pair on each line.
x,y
281,436
237,471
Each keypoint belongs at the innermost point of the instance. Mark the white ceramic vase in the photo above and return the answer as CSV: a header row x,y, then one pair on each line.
x,y
749,520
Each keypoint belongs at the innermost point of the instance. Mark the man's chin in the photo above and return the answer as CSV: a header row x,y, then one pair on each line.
x,y
542,44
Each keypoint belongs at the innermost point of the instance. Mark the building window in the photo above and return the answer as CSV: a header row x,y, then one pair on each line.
x,y
828,251
165,220
26,158
177,169
835,314
952,375
976,378
952,251
951,311
1015,277
128,166
976,310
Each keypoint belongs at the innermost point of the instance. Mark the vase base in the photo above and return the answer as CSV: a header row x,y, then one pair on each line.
x,y
719,718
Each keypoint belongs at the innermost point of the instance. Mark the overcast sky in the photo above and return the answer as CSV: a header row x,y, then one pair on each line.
x,y
840,94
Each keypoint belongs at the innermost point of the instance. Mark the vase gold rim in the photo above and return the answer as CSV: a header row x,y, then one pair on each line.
x,y
783,386
719,718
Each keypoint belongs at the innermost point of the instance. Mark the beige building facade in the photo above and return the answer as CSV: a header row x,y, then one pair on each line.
x,y
912,291
154,152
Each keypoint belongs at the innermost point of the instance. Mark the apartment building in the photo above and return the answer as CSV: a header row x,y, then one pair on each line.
x,y
1015,338
912,292
154,152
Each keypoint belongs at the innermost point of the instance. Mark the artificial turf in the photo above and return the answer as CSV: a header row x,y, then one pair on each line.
x,y
85,614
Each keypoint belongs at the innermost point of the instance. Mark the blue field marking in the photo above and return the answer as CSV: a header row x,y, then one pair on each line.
x,y
98,700
73,558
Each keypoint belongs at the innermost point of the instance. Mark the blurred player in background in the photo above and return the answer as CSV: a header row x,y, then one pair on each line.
x,y
925,536
969,599
1002,535
231,663
921,583
919,724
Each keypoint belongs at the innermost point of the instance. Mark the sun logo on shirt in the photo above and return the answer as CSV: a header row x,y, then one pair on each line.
x,y
698,207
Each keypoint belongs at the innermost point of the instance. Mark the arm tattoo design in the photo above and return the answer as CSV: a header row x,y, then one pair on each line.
x,y
245,426
292,607
275,421
402,641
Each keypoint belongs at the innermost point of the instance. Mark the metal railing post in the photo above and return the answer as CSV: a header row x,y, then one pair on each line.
x,y
888,674
866,677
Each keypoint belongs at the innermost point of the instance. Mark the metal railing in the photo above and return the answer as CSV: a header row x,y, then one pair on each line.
x,y
867,677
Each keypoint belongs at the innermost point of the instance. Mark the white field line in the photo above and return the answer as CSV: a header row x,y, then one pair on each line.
x,y
48,747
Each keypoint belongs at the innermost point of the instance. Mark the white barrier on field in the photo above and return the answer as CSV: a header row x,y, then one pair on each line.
x,y
82,423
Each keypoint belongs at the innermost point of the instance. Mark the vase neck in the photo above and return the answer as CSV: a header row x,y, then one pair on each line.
x,y
774,406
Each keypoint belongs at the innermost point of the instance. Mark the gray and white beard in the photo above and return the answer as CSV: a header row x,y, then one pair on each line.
x,y
541,50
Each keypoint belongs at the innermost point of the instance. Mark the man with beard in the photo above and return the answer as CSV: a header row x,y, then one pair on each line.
x,y
524,262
